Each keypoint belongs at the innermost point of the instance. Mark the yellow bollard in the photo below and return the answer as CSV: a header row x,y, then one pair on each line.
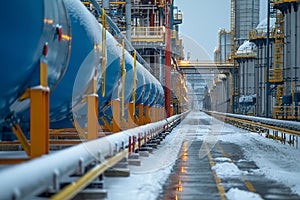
x,y
147,115
141,114
92,117
131,115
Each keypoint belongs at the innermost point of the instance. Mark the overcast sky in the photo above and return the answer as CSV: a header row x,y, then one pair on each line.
x,y
201,21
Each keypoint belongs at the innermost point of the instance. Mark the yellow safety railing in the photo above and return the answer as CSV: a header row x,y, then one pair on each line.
x,y
178,16
245,55
111,2
179,42
276,74
148,34
123,77
173,34
134,80
287,112
103,52
259,33
283,1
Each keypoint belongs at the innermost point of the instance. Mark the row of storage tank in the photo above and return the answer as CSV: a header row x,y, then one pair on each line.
x,y
66,38
251,58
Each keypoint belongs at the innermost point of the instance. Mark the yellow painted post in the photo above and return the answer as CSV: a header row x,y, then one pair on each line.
x,y
92,100
39,121
103,52
131,115
134,81
92,117
155,114
21,137
39,114
147,115
116,115
141,114
123,77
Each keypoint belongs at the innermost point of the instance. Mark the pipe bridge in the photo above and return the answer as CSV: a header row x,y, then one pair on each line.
x,y
205,67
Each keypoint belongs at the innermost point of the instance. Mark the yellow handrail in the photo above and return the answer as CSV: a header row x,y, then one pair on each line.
x,y
103,52
123,77
134,81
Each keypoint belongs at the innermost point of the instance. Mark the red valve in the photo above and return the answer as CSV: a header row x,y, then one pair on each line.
x,y
45,49
59,32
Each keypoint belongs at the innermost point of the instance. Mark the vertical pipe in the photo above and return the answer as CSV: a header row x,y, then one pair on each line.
x,y
128,19
161,72
151,18
168,68
105,5
297,47
268,56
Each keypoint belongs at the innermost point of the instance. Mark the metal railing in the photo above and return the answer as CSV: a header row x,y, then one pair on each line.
x,y
117,31
148,34
260,33
45,173
245,55
275,75
284,1
287,112
178,16
289,126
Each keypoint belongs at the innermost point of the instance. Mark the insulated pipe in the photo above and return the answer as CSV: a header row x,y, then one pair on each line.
x,y
128,20
47,171
291,125
118,32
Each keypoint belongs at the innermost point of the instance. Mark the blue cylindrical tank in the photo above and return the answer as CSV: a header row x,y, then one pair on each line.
x,y
27,27
140,84
85,63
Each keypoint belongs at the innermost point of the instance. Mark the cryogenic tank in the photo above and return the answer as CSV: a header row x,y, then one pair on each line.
x,y
84,62
140,84
28,31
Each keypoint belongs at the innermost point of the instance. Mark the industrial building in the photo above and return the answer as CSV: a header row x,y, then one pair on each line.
x,y
271,50
99,101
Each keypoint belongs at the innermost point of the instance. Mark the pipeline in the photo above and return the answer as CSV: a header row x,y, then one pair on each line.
x,y
46,172
285,124
72,69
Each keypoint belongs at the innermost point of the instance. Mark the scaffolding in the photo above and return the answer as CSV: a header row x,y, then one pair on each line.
x,y
232,29
276,73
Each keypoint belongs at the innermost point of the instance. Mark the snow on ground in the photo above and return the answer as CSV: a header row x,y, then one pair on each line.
x,y
236,194
277,161
222,159
227,169
146,181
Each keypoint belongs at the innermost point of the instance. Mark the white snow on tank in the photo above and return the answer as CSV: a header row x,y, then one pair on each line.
x,y
86,19
262,26
246,48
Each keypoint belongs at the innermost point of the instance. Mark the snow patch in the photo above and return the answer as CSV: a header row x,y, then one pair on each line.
x,y
222,159
226,169
236,194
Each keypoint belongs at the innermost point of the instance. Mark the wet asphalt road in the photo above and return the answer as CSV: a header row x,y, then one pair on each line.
x,y
193,178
